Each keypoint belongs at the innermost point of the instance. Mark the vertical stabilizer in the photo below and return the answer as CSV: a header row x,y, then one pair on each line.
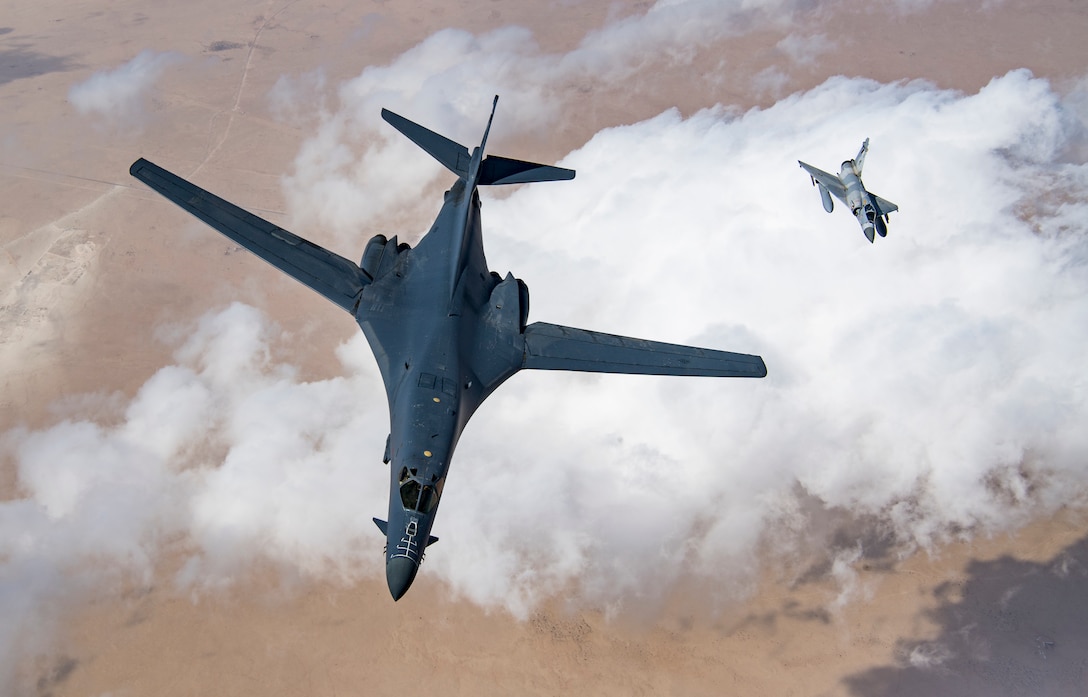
x,y
478,153
859,161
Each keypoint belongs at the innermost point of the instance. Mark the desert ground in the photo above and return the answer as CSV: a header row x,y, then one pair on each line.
x,y
101,282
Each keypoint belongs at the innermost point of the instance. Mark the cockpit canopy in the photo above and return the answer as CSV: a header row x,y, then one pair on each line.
x,y
417,494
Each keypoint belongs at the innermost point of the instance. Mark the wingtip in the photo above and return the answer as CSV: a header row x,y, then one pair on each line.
x,y
136,166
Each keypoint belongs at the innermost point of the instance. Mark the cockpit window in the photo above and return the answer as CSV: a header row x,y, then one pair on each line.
x,y
420,497
409,494
427,500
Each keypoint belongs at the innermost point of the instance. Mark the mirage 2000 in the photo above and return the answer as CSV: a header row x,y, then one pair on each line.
x,y
870,210
445,330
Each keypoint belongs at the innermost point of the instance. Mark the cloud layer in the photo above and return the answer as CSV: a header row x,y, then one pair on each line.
x,y
447,82
117,96
224,458
932,382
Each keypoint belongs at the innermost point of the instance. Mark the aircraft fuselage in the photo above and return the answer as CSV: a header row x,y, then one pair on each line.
x,y
445,330
857,198
432,392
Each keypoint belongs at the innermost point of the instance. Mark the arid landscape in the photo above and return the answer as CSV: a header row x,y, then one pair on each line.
x,y
190,442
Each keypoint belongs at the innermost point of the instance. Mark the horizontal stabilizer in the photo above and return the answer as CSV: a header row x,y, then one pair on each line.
x,y
503,170
335,277
453,156
554,347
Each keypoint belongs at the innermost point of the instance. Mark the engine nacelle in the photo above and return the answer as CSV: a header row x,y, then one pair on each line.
x,y
381,255
523,305
509,303
372,255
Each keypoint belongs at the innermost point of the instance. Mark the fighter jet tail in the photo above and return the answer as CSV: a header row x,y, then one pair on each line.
x,y
859,161
456,158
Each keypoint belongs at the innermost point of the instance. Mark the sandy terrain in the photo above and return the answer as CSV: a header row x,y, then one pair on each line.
x,y
93,263
1016,600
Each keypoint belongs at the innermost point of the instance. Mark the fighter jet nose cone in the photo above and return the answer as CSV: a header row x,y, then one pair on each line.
x,y
399,574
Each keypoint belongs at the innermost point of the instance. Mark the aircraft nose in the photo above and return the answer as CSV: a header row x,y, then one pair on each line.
x,y
399,574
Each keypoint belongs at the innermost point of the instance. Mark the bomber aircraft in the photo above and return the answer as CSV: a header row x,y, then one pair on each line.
x,y
445,330
870,210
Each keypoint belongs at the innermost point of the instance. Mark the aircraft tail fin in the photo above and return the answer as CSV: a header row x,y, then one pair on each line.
x,y
503,170
859,161
479,152
453,156
487,170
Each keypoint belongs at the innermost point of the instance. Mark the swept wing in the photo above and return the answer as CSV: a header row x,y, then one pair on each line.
x,y
335,277
828,181
555,347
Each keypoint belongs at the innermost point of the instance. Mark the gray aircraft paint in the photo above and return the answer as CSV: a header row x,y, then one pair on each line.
x,y
870,210
445,330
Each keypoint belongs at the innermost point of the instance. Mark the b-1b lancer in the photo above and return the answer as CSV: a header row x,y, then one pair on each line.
x,y
445,330
870,210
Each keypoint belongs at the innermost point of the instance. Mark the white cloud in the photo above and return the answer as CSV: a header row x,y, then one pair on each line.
x,y
102,503
770,81
299,100
356,167
929,656
805,49
117,96
930,382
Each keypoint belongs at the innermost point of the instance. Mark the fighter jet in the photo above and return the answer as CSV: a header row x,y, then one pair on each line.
x,y
445,330
870,210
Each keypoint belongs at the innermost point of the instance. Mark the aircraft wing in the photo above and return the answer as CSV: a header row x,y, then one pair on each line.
x,y
554,347
828,181
335,277
883,206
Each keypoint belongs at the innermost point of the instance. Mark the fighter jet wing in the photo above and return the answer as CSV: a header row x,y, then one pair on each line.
x,y
335,277
828,181
554,347
883,206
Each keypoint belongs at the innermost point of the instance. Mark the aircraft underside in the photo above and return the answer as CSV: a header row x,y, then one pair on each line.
x,y
445,331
